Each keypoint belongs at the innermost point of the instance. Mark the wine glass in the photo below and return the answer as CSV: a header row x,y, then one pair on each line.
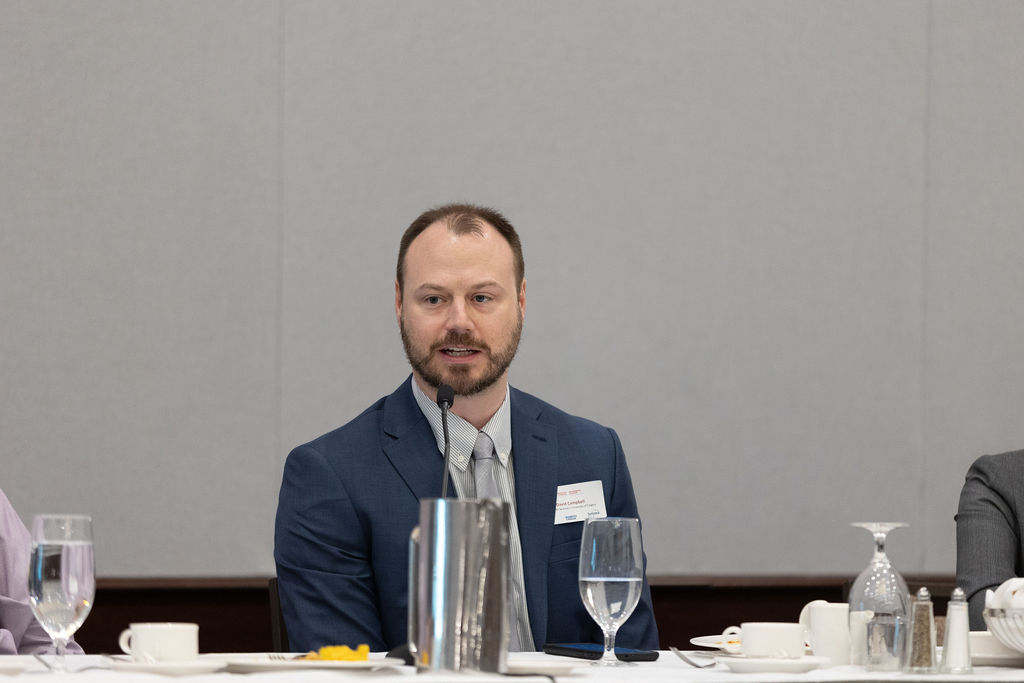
x,y
611,575
61,575
879,605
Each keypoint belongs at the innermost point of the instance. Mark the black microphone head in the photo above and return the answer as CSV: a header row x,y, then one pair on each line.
x,y
445,396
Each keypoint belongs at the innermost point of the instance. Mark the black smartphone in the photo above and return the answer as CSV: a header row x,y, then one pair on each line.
x,y
594,651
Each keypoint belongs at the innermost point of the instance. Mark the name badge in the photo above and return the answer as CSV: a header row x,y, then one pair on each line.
x,y
576,502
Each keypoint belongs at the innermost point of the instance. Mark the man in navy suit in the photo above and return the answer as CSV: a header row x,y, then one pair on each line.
x,y
350,498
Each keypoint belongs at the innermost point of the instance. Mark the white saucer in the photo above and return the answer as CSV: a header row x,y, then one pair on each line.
x,y
188,667
711,641
756,665
716,642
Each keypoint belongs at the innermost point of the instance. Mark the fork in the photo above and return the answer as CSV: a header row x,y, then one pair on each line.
x,y
39,658
690,660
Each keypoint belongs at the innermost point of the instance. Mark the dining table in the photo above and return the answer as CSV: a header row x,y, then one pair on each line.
x,y
527,667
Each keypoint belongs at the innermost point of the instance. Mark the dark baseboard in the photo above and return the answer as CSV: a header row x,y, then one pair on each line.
x,y
234,613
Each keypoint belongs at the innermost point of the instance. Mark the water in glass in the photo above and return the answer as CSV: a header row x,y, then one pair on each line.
x,y
610,600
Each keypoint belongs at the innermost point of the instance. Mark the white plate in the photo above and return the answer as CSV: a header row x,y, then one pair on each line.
x,y
264,663
542,664
1014,660
756,665
986,650
188,667
11,668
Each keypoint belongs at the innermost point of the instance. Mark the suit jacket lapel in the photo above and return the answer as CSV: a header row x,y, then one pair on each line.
x,y
535,462
409,444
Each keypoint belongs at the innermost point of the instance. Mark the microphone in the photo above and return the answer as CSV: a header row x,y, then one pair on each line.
x,y
445,399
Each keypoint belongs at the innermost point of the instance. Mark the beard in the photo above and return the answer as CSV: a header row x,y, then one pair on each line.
x,y
460,377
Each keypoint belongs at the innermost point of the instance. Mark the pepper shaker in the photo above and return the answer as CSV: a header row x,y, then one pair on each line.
x,y
956,650
921,653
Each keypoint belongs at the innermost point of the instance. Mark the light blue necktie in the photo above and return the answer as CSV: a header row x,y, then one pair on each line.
x,y
487,487
483,467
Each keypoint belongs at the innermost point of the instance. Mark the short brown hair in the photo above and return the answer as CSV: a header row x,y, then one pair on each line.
x,y
462,219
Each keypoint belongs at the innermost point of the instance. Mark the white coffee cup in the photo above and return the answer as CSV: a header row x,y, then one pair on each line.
x,y
827,626
765,639
160,641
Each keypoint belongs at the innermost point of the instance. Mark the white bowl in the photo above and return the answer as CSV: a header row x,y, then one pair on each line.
x,y
1007,625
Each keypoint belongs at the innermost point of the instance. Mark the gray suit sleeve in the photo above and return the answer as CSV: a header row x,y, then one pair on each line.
x,y
988,544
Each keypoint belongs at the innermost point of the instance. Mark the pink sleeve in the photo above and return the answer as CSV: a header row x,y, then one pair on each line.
x,y
19,631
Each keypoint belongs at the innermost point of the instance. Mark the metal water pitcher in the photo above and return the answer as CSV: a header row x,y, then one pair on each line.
x,y
458,586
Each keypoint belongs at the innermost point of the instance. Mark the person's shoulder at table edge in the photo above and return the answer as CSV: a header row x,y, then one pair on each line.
x,y
999,470
354,436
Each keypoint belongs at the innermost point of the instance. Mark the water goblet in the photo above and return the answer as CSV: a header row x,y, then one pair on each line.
x,y
611,575
879,605
61,575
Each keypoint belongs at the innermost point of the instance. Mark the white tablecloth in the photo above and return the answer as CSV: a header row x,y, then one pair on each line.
x,y
668,669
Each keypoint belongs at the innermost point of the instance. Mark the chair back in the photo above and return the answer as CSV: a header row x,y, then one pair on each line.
x,y
278,630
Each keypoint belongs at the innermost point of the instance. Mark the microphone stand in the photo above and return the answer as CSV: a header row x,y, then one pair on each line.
x,y
445,399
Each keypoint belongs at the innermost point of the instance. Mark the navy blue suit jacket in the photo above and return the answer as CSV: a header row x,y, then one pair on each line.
x,y
350,498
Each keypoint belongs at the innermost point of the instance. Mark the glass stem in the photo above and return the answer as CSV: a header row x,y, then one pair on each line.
x,y
879,544
59,663
609,648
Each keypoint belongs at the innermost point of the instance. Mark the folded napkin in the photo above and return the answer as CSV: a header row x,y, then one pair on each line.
x,y
1009,595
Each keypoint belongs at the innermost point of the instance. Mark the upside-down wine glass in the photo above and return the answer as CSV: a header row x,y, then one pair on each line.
x,y
611,575
61,575
879,605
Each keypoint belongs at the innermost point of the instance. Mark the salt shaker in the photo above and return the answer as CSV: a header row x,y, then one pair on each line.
x,y
921,652
956,651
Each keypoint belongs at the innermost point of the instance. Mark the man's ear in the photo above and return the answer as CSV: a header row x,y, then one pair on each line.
x,y
398,302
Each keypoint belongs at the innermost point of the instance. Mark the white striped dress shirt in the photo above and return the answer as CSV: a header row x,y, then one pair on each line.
x,y
462,436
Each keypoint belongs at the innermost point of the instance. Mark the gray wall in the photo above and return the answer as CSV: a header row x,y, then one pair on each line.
x,y
776,244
